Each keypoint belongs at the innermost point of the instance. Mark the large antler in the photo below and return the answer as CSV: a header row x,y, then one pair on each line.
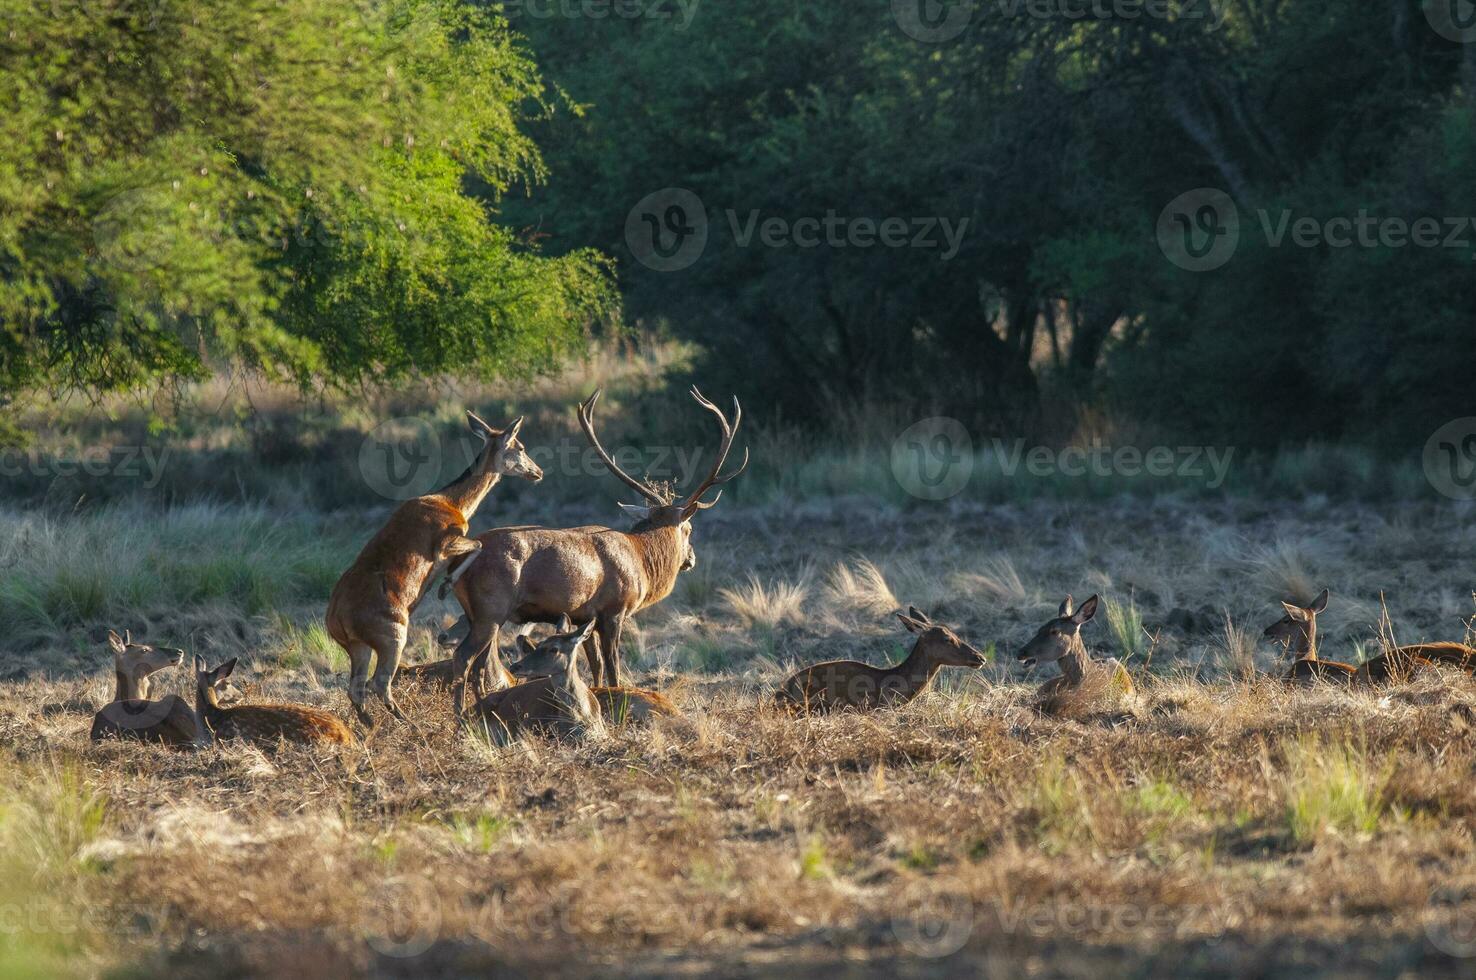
x,y
694,502
586,421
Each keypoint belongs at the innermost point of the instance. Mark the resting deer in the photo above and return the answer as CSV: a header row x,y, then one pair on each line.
x,y
1059,641
591,574
1297,632
369,611
558,703
131,715
617,705
840,684
261,724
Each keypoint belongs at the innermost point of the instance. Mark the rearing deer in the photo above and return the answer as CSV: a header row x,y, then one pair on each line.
x,y
369,611
590,574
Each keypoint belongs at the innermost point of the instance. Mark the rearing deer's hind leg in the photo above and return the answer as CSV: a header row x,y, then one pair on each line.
x,y
385,667
359,656
470,648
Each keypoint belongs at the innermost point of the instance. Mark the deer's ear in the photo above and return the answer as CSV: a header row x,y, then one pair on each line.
x,y
116,642
200,667
1086,612
1318,604
588,629
1066,607
511,432
1295,611
913,626
526,645
637,511
564,625
224,670
479,425
919,615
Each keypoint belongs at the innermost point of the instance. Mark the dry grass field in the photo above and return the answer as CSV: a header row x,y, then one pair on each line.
x,y
1218,823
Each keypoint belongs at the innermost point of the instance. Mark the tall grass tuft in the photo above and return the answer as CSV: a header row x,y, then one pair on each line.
x,y
1333,788
1125,623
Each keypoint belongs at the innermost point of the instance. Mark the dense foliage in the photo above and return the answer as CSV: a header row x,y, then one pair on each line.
x,y
304,186
1060,140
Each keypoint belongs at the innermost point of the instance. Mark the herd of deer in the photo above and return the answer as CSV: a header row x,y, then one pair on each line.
x,y
587,582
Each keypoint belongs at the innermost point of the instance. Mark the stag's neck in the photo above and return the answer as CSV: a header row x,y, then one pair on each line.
x,y
129,688
917,671
1074,664
661,559
467,491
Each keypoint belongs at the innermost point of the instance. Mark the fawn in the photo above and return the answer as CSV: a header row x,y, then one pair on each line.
x,y
262,724
1059,641
839,684
131,715
617,705
557,703
1297,631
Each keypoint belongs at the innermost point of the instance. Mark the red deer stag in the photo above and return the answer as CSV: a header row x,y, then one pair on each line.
x,y
131,715
591,574
369,611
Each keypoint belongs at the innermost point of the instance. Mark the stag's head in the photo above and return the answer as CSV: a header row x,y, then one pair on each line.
x,y
939,643
661,508
137,660
1297,630
502,454
555,655
214,686
1060,636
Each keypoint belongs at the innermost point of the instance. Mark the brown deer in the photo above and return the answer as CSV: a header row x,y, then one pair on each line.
x,y
592,574
1059,641
840,684
557,703
1297,632
131,715
617,705
369,610
260,724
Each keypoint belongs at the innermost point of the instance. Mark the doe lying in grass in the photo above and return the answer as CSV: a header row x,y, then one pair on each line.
x,y
617,705
260,724
1059,641
558,703
131,715
840,684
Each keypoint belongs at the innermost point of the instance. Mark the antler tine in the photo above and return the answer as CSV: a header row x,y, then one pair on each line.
x,y
694,501
586,422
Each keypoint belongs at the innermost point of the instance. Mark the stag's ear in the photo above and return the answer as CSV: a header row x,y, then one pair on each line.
x,y
637,511
116,642
1318,604
1066,607
1086,612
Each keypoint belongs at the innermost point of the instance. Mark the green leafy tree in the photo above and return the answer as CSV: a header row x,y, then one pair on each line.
x,y
308,187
